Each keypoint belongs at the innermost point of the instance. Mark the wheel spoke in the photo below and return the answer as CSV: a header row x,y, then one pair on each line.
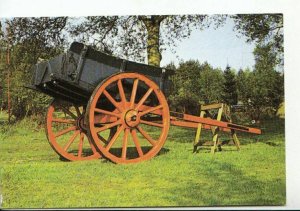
x,y
112,100
136,142
71,140
122,93
80,144
112,132
114,138
146,136
102,139
106,112
77,110
151,123
69,112
150,110
125,140
133,93
92,146
65,131
108,126
144,98
67,121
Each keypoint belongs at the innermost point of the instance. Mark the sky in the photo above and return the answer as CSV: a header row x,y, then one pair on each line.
x,y
218,47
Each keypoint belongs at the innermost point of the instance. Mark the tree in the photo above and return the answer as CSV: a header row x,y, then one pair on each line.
x,y
3,69
264,29
230,95
269,90
134,36
36,38
244,86
1,63
261,90
195,84
1,32
31,39
211,84
185,93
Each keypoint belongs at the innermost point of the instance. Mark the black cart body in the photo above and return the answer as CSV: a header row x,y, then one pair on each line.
x,y
73,76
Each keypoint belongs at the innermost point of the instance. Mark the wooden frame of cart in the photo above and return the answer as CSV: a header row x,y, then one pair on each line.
x,y
109,107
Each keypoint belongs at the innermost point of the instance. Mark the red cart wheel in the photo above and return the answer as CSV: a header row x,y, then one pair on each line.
x,y
67,133
134,105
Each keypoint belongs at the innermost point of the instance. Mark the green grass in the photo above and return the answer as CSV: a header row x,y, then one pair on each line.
x,y
3,117
32,176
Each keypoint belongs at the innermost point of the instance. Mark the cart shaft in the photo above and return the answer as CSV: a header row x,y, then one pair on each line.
x,y
189,121
186,120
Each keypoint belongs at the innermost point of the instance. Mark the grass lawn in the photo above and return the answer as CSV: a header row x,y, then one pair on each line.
x,y
32,176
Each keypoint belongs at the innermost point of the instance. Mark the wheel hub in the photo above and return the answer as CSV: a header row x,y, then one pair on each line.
x,y
131,118
80,124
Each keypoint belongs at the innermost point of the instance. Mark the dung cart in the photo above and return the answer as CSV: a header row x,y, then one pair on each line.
x,y
109,107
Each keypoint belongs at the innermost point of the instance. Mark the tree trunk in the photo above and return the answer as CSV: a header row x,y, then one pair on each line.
x,y
154,56
153,27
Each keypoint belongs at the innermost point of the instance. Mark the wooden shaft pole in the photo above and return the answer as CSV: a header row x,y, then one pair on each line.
x,y
212,122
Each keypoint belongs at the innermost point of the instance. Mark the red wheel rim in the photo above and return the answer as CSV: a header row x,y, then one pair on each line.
x,y
133,101
66,132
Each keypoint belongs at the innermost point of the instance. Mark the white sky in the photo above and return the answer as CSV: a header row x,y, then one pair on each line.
x,y
290,8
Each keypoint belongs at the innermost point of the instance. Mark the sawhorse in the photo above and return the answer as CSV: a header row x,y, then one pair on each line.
x,y
223,111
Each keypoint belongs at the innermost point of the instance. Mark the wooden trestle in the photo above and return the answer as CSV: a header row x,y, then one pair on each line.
x,y
206,121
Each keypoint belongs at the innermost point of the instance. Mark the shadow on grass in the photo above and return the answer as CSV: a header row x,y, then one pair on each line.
x,y
272,144
131,152
222,184
208,150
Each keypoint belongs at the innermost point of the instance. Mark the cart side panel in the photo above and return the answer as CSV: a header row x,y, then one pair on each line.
x,y
42,71
94,72
75,74
97,66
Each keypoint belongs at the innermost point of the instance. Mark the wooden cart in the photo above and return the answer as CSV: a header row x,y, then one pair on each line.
x,y
109,107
